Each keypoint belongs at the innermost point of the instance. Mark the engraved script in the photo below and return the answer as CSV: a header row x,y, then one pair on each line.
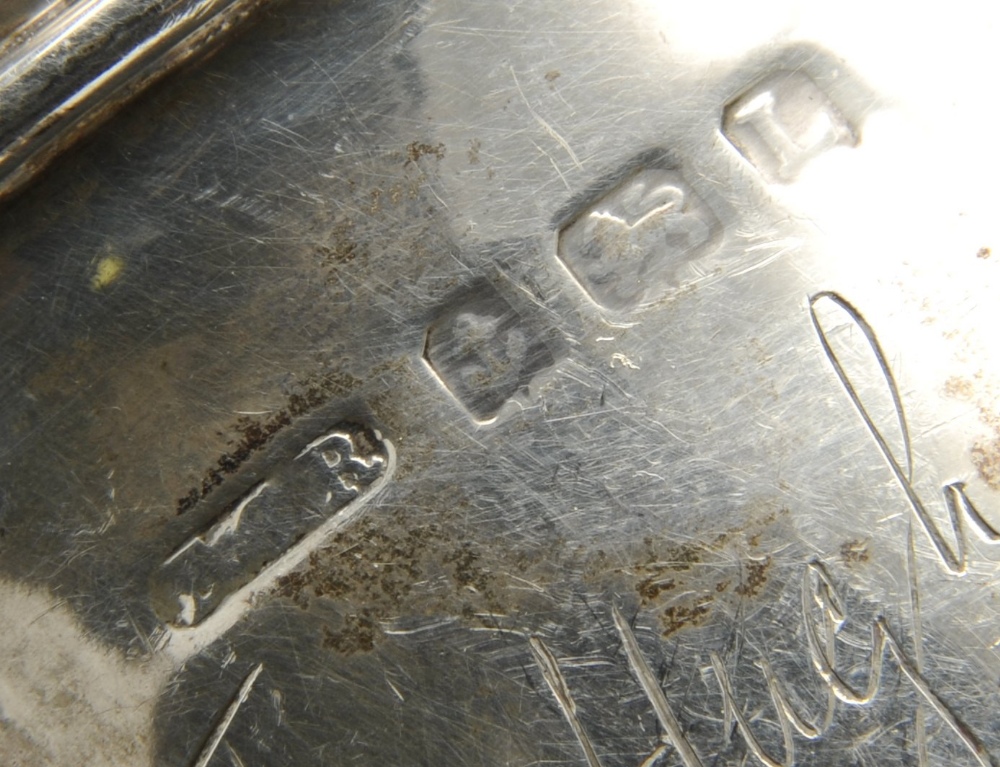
x,y
956,500
823,617
823,614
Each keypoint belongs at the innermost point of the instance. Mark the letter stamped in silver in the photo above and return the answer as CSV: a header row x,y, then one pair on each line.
x,y
270,529
783,122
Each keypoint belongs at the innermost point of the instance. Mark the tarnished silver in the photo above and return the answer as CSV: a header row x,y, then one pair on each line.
x,y
512,384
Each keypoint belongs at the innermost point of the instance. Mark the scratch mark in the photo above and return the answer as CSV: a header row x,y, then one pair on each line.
x,y
654,692
237,761
920,719
559,139
654,757
545,126
220,731
395,690
555,165
557,683
419,629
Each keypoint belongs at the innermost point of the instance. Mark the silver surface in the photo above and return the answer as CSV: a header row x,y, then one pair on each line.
x,y
484,383
66,66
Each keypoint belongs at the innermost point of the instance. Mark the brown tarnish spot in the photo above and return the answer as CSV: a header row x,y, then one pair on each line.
x,y
959,388
474,147
985,452
343,248
755,578
417,149
380,569
468,573
658,568
651,588
983,253
434,562
255,432
986,459
358,634
552,75
666,576
759,352
677,617
854,552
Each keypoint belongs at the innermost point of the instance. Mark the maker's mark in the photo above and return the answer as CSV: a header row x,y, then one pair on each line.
x,y
273,525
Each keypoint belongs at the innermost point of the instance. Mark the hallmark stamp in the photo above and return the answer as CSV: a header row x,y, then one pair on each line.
x,y
483,353
783,122
628,249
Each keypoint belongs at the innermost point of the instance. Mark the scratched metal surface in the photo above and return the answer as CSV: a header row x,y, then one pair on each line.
x,y
462,383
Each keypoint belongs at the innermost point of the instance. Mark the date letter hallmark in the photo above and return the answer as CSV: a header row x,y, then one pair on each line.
x,y
956,499
783,122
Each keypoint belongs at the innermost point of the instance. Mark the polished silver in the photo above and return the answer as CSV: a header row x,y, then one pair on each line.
x,y
68,65
513,384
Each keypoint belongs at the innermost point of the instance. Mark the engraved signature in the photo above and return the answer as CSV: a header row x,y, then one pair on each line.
x,y
956,500
822,611
823,617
